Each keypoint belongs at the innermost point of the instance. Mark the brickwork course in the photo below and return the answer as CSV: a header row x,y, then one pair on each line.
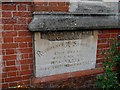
x,y
16,46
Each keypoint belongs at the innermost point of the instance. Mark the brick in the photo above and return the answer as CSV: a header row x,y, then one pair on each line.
x,y
0,47
4,75
9,63
53,3
100,50
41,8
26,77
11,74
103,46
5,85
21,83
25,67
30,8
11,68
113,35
23,39
8,40
52,8
9,21
1,86
26,72
10,45
104,35
99,65
3,63
30,61
102,31
24,33
100,41
3,51
57,4
1,26
29,44
31,55
27,82
113,31
20,27
26,61
13,84
10,51
23,62
22,14
9,57
100,56
10,33
24,56
60,9
21,7
6,14
2,80
8,7
29,20
27,50
0,7
1,40
8,27
99,61
22,20
31,66
23,45
63,4
12,79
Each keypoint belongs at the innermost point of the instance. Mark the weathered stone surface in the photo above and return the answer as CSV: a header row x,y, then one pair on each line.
x,y
83,14
93,6
60,54
63,21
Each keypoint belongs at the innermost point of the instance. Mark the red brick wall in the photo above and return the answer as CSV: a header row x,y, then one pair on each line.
x,y
17,44
17,40
51,6
104,37
1,41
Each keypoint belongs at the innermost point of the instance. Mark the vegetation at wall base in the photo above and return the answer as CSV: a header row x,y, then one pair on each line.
x,y
111,66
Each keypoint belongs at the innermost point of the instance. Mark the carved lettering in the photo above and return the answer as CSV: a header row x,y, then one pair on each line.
x,y
63,56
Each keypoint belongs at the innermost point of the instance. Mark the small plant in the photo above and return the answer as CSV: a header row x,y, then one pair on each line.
x,y
20,86
109,78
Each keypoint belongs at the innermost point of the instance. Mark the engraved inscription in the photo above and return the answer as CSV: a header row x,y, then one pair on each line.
x,y
54,57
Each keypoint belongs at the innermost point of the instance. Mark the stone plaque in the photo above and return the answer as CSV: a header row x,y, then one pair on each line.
x,y
64,52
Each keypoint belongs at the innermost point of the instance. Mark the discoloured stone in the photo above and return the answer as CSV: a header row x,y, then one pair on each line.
x,y
83,14
59,21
